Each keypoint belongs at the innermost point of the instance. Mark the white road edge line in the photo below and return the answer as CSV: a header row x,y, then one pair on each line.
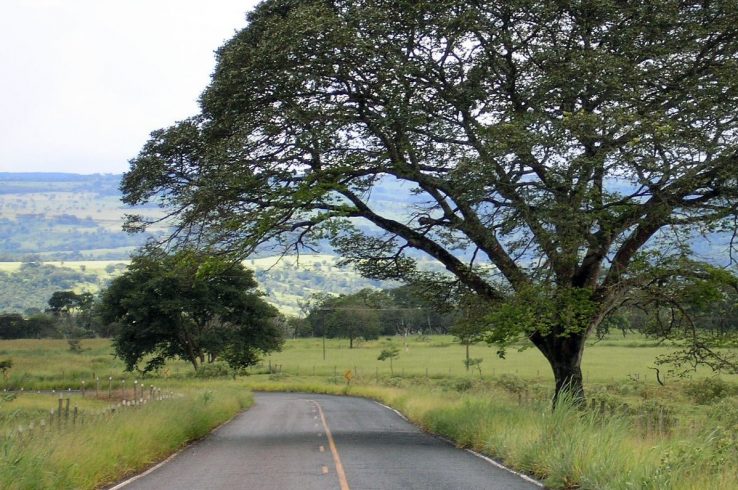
x,y
478,455
159,465
150,470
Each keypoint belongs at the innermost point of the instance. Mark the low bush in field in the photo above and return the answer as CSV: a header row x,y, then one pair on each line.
x,y
708,390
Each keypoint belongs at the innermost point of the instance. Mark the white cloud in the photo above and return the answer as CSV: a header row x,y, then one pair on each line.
x,y
84,81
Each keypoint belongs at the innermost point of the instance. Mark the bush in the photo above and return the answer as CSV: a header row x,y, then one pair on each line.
x,y
512,383
213,370
709,390
725,412
463,385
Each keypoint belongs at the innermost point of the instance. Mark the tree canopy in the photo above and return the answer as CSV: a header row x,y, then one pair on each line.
x,y
350,316
188,305
545,148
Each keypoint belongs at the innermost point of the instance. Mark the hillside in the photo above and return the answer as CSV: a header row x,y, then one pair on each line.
x,y
63,217
63,231
58,216
27,286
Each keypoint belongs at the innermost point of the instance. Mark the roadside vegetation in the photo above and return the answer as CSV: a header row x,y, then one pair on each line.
x,y
108,445
635,434
638,434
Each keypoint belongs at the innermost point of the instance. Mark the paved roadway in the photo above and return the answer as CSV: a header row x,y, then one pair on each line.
x,y
308,442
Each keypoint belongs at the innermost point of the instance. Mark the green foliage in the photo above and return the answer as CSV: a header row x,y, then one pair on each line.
x,y
532,134
350,316
545,310
391,352
691,303
512,383
709,390
188,305
15,326
474,362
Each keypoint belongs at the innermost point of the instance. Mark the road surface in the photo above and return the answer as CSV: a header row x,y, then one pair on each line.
x,y
308,442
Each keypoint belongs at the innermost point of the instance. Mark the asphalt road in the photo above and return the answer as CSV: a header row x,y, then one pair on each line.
x,y
304,442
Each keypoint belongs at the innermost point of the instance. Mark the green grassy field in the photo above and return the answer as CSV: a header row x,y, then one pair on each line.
x,y
614,359
636,434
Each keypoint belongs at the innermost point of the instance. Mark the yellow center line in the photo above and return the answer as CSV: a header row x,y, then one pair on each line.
x,y
331,443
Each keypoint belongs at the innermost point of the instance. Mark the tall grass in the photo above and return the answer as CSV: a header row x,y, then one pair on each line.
x,y
565,447
124,443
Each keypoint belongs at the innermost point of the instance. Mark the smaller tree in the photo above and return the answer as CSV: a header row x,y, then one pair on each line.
x,y
11,326
73,313
189,305
349,316
470,326
392,352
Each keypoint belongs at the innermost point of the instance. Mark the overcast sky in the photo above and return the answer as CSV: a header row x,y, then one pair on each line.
x,y
83,82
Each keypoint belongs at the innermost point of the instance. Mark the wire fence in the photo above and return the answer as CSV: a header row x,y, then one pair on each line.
x,y
65,414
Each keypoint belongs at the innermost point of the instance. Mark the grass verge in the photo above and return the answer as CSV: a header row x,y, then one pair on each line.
x,y
564,448
102,452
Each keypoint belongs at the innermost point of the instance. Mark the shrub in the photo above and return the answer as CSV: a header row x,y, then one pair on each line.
x,y
213,370
725,412
463,385
512,383
707,391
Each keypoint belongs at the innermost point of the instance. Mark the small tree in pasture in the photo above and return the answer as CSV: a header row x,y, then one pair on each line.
x,y
392,352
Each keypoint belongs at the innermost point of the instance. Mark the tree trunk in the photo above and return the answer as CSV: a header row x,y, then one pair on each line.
x,y
564,354
467,356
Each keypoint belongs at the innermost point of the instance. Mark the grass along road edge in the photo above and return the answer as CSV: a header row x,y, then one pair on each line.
x,y
102,453
564,448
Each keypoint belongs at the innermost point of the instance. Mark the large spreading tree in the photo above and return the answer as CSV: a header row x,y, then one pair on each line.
x,y
570,147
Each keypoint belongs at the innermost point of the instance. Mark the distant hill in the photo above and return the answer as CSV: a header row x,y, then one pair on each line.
x,y
59,216
27,286
72,224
